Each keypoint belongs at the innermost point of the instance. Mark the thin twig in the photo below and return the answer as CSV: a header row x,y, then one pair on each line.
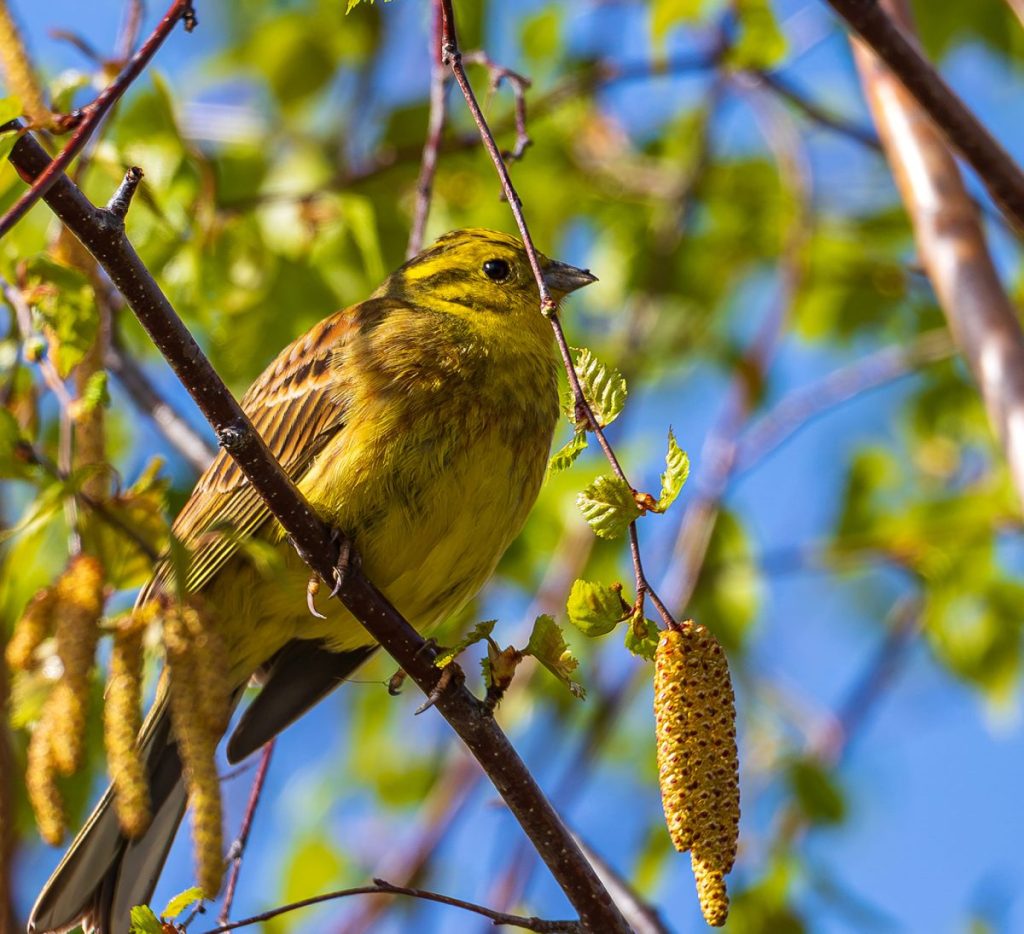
x,y
237,850
496,74
30,455
959,126
104,237
795,410
435,127
451,56
380,887
89,118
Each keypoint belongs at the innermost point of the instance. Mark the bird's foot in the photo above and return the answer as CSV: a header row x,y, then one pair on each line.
x,y
451,675
348,561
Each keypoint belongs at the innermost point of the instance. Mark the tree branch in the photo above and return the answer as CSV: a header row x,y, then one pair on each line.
x,y
89,118
956,122
952,247
802,405
380,887
103,235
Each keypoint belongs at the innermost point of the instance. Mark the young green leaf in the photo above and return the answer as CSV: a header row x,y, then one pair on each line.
x,y
565,456
95,393
608,505
677,469
547,645
594,609
480,632
143,921
603,386
760,42
181,901
642,637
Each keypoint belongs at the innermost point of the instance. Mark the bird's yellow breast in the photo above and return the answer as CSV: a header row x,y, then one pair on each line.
x,y
432,475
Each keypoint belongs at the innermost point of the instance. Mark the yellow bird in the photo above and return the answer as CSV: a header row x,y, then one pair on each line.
x,y
419,423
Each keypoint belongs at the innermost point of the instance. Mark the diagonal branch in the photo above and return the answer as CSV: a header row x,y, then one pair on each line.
x,y
894,45
952,247
102,233
89,118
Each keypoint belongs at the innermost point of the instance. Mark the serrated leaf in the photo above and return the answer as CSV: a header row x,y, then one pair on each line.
x,y
604,386
594,609
565,456
480,632
677,469
642,638
608,506
547,645
143,921
181,901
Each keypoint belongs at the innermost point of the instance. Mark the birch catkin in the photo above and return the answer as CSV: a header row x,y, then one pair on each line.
x,y
192,652
122,719
698,767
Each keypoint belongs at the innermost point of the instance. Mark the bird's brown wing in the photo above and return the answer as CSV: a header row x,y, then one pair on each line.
x,y
297,404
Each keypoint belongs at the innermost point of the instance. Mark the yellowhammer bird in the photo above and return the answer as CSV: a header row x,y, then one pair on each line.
x,y
417,422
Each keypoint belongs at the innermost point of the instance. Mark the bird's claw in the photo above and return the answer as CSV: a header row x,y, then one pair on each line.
x,y
348,561
312,589
450,675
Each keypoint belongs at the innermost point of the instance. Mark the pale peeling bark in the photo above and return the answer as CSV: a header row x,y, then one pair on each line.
x,y
951,246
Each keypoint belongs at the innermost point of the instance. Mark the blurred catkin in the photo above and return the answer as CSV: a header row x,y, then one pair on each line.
x,y
195,717
41,784
79,603
698,767
122,719
34,625
21,81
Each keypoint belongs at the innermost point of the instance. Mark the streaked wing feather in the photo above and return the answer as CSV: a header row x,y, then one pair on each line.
x,y
296,407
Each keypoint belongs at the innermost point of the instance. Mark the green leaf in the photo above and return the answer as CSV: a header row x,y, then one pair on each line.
x,y
816,792
480,632
181,901
603,386
677,469
608,506
95,392
760,43
565,456
352,4
547,645
642,638
143,921
594,609
10,107
64,299
666,14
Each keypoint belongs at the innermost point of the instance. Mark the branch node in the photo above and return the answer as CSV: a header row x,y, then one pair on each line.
x,y
234,437
189,18
122,198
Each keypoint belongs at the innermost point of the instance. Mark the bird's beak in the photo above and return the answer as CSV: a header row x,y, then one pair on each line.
x,y
563,278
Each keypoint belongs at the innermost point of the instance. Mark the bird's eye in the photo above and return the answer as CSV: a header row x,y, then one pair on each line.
x,y
496,269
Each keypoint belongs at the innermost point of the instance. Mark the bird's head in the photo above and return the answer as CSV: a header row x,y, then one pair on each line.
x,y
484,272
